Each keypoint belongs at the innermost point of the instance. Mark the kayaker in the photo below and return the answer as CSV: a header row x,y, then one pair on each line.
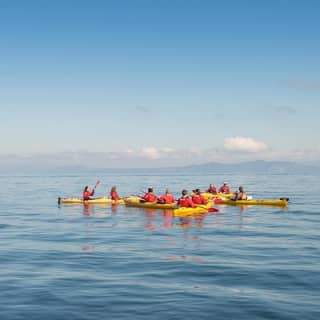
x,y
167,197
212,189
224,188
149,196
241,195
114,194
185,200
87,194
197,198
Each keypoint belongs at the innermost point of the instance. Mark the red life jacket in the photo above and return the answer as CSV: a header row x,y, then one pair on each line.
x,y
212,189
167,198
198,199
114,195
224,189
186,202
149,197
87,194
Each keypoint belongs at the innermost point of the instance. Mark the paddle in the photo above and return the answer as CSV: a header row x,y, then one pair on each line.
x,y
213,210
97,183
209,209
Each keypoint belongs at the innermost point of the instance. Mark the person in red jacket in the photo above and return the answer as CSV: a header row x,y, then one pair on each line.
x,y
225,188
185,200
212,189
167,197
114,194
197,198
87,194
149,196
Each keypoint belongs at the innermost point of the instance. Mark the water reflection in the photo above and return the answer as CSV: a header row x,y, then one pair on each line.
x,y
150,215
114,209
167,218
98,210
88,210
192,221
164,218
196,259
157,219
88,248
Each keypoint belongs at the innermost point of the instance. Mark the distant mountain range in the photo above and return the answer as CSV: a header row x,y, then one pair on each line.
x,y
255,167
259,166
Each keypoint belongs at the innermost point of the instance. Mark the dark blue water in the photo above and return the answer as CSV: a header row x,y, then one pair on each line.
x,y
103,262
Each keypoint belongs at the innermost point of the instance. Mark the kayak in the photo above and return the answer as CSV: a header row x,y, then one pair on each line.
x,y
187,211
208,195
282,202
177,212
135,202
102,200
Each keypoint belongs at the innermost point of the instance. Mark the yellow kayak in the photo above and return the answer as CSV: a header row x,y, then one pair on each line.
x,y
102,200
183,211
208,195
135,202
282,202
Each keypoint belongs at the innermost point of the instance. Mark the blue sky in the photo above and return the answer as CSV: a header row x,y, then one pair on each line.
x,y
156,83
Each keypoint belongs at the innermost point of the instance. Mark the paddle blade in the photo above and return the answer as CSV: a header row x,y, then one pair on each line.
x,y
213,210
97,183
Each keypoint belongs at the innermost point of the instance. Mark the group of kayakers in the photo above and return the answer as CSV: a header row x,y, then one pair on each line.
x,y
185,200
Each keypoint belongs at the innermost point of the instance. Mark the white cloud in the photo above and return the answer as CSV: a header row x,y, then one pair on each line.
x,y
167,150
243,144
151,152
157,153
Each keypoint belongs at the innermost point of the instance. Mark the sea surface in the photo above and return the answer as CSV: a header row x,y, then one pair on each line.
x,y
104,262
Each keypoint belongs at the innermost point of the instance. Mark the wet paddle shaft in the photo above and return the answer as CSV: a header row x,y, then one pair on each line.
x,y
97,183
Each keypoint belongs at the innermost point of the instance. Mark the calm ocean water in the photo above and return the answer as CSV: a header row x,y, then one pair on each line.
x,y
103,262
